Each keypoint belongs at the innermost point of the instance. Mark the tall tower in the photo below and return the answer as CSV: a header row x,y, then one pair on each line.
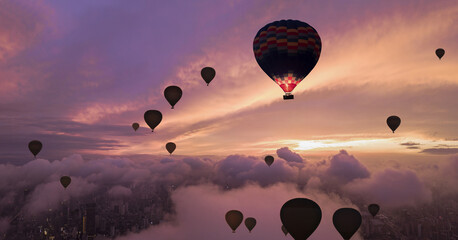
x,y
90,221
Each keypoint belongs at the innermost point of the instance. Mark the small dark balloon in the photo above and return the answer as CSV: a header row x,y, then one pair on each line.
x,y
347,221
234,218
440,53
393,122
269,160
135,126
170,146
373,209
35,147
65,181
301,217
208,73
153,118
173,94
250,223
283,229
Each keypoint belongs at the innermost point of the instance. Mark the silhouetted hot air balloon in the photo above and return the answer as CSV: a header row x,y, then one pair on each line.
x,y
153,118
135,126
283,229
440,53
65,181
35,147
208,73
287,50
393,122
269,160
170,146
300,216
234,218
173,94
250,223
373,209
347,221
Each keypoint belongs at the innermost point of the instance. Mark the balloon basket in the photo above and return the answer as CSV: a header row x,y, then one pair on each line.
x,y
286,97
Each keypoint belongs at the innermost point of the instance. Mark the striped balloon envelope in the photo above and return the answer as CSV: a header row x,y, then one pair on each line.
x,y
287,51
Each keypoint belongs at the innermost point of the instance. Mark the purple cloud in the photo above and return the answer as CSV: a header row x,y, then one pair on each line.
x,y
237,170
344,168
289,155
391,188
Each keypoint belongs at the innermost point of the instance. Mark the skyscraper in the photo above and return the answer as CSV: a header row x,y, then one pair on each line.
x,y
89,221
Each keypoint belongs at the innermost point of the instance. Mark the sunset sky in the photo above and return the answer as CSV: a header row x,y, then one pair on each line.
x,y
76,74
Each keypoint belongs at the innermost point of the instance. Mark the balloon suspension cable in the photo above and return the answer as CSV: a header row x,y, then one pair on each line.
x,y
208,83
233,231
172,107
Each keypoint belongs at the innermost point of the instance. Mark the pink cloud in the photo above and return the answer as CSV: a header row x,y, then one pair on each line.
x,y
237,170
391,188
342,174
344,168
201,209
289,155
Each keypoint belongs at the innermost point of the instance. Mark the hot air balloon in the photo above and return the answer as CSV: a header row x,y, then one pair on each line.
x,y
153,118
65,181
373,209
208,73
173,94
283,229
250,223
135,126
393,122
300,216
35,147
170,146
347,221
287,50
269,160
440,53
234,218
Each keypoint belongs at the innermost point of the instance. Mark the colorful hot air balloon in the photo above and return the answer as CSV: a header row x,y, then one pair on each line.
x,y
300,216
250,223
393,122
347,221
153,118
173,94
170,146
135,126
208,73
283,229
269,160
440,53
234,218
287,50
65,181
373,209
35,147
